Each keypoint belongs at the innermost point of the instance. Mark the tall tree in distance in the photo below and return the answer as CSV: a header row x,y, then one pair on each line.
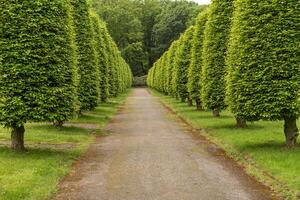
x,y
215,43
144,29
175,18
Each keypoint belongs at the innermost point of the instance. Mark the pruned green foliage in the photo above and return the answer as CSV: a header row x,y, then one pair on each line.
x,y
87,58
216,37
183,59
37,62
263,59
38,75
195,68
100,33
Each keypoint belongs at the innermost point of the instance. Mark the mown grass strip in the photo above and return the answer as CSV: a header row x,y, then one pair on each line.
x,y
35,173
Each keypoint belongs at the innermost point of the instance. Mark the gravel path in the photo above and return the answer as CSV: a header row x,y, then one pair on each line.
x,y
152,155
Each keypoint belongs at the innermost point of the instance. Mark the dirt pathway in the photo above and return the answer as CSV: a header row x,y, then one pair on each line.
x,y
152,155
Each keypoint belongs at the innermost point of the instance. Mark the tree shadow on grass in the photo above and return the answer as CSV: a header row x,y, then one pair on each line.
x,y
270,146
232,126
37,152
65,130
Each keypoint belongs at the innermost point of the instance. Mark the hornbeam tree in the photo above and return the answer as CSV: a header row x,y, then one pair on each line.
x,y
38,75
263,59
216,37
194,72
173,67
88,90
104,70
183,63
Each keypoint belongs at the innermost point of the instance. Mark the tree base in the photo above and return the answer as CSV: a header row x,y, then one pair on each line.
x,y
190,102
58,124
241,122
199,106
17,138
290,131
216,113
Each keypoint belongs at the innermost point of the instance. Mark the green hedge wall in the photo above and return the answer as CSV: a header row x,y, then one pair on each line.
x,y
87,59
216,37
195,68
53,57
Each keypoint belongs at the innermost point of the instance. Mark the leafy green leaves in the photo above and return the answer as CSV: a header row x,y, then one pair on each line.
x,y
263,59
38,75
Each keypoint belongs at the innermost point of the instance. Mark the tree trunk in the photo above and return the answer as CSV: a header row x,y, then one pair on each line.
x,y
58,123
190,102
199,105
290,131
241,122
216,112
17,138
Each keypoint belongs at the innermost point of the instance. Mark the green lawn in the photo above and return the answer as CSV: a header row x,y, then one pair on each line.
x,y
34,174
260,147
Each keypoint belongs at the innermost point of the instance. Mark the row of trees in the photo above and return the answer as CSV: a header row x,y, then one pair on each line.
x,y
240,54
57,59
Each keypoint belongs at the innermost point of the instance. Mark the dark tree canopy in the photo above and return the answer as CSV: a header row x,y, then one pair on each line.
x,y
144,29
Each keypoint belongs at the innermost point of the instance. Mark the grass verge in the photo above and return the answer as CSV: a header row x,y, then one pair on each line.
x,y
259,148
35,174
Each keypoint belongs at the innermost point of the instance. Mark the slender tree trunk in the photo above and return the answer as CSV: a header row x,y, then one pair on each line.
x,y
17,138
216,112
190,102
241,122
290,131
199,105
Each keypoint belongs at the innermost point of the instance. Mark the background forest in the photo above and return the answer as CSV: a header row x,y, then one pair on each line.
x,y
144,29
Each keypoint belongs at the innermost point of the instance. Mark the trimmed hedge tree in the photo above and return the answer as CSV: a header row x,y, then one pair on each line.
x,y
87,58
263,59
195,68
38,75
183,63
216,37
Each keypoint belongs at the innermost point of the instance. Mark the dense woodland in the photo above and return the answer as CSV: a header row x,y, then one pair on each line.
x,y
239,55
144,29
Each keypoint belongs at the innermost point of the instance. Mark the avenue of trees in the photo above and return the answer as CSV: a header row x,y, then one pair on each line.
x,y
244,56
144,29
57,59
